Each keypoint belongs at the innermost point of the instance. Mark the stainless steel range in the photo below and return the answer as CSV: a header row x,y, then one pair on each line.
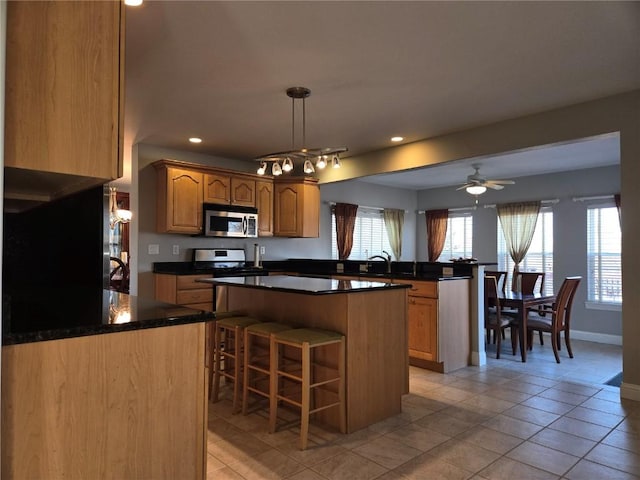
x,y
224,262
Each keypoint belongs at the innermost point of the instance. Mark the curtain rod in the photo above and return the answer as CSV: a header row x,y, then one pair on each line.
x,y
597,197
458,209
333,204
544,202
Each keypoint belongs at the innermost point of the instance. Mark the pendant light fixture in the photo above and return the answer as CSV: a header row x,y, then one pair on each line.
x,y
305,154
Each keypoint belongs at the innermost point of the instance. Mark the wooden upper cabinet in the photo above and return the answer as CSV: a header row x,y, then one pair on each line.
x,y
180,196
243,191
296,207
64,97
217,188
264,203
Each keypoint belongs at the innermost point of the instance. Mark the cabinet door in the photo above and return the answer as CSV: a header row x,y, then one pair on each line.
x,y
64,93
423,328
217,188
264,203
243,192
183,201
288,218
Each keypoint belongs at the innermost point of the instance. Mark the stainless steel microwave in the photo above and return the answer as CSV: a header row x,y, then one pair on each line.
x,y
230,221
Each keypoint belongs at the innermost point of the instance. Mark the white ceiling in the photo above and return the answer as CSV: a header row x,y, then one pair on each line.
x,y
219,70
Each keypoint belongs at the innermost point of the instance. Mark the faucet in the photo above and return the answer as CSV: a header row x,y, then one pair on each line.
x,y
386,259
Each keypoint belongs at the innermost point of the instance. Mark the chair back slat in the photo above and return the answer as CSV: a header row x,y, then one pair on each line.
x,y
490,296
564,300
529,280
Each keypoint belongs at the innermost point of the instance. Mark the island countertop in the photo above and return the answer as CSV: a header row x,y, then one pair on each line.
x,y
303,285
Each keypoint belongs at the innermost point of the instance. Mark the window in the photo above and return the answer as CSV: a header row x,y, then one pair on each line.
x,y
604,256
458,242
369,235
539,258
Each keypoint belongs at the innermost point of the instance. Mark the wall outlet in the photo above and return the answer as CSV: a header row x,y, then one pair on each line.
x,y
154,249
263,249
364,268
447,271
176,249
340,267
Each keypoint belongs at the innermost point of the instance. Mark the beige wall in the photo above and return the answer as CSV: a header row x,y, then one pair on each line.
x,y
619,113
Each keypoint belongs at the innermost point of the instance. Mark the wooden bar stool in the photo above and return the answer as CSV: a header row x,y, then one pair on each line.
x,y
257,359
227,348
306,339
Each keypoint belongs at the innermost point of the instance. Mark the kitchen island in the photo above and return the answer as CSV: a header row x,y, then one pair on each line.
x,y
100,384
372,316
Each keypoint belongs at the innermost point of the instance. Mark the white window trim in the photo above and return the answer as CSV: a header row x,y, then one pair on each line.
x,y
605,306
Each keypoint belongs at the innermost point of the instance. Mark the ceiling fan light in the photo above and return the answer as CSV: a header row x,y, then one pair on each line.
x,y
476,189
263,168
322,162
276,169
336,161
308,167
287,165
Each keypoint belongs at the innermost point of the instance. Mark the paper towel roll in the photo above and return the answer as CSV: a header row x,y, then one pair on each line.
x,y
256,255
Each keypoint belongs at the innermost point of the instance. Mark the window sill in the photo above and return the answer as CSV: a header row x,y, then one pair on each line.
x,y
613,307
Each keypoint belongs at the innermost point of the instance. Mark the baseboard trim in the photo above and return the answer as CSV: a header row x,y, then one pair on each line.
x,y
630,391
597,337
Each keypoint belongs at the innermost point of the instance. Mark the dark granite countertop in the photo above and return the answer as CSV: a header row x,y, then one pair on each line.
x,y
302,284
426,271
52,315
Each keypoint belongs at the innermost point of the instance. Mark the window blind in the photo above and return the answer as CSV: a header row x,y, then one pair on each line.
x,y
604,255
459,240
369,235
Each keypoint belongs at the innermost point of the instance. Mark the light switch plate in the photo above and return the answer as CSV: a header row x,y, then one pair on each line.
x,y
176,249
363,268
340,267
154,249
447,271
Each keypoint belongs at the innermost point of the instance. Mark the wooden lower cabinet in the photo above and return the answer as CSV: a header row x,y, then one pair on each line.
x,y
114,406
184,290
439,324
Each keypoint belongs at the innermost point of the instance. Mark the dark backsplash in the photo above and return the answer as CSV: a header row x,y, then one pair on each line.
x,y
57,245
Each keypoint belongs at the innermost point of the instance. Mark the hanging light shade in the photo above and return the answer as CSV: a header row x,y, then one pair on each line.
x,y
304,153
263,168
276,169
308,167
117,215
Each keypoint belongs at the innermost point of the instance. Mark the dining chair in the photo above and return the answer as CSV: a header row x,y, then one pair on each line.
x,y
557,318
493,319
530,283
119,275
501,279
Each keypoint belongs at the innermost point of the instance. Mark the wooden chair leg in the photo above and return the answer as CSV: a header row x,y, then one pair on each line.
x,y
559,343
273,384
567,342
554,345
514,339
237,368
529,340
541,339
498,335
306,395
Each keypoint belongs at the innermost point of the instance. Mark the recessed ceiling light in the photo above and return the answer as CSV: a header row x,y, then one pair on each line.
x,y
195,140
397,139
133,3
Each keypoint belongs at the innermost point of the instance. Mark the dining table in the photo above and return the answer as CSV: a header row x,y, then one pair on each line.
x,y
522,302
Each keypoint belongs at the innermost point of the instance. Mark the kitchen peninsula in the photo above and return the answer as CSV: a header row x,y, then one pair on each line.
x,y
372,316
88,379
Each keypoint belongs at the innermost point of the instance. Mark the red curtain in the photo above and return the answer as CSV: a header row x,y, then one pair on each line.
x,y
616,197
345,222
436,232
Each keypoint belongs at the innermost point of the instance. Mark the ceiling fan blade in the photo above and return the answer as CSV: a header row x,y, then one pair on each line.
x,y
503,182
494,186
462,187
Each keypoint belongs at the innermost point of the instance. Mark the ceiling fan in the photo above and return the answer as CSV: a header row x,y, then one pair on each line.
x,y
477,184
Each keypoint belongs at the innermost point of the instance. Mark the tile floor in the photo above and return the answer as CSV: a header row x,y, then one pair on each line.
x,y
507,420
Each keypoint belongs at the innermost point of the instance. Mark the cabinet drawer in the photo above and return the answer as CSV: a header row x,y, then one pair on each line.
x,y
185,282
421,289
194,296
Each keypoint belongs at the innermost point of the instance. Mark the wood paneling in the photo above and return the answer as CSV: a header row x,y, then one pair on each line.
x,y
113,406
375,326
